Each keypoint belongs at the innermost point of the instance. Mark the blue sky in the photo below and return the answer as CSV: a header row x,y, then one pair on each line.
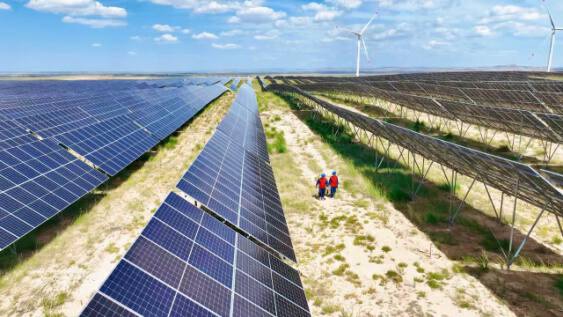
x,y
263,35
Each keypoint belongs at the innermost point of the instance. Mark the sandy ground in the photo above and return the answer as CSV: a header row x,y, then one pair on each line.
x,y
60,278
358,255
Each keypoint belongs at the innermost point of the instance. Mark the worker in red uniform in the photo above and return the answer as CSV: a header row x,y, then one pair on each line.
x,y
322,183
333,181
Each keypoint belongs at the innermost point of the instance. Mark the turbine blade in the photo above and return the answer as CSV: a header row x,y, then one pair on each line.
x,y
365,50
550,18
367,25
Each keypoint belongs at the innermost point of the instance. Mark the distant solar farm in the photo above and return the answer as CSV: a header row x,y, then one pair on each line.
x,y
239,235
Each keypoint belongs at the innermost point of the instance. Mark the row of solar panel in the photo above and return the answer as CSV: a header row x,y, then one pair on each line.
x,y
511,177
233,178
541,126
39,178
188,263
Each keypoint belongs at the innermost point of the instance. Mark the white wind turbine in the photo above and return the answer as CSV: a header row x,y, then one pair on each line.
x,y
361,42
552,42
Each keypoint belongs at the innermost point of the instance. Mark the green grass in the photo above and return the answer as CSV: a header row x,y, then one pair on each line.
x,y
341,269
334,249
276,142
559,285
433,219
394,276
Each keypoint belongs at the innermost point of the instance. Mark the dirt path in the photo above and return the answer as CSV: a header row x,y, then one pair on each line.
x,y
358,255
61,277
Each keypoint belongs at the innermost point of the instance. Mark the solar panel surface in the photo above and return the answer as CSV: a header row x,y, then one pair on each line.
x,y
232,177
37,181
187,263
39,178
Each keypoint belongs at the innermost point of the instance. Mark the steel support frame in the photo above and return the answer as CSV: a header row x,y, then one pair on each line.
x,y
510,256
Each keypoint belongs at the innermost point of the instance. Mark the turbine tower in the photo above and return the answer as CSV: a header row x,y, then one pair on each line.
x,y
361,42
552,42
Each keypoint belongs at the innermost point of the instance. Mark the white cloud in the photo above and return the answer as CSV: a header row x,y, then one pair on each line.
x,y
483,30
328,15
186,31
323,13
413,5
233,32
135,38
402,30
5,6
166,38
313,6
202,6
256,14
94,23
347,4
265,37
205,36
228,46
432,44
511,19
500,13
96,45
164,28
77,8
131,53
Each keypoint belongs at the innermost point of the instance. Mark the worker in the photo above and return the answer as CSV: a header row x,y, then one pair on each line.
x,y
322,183
333,181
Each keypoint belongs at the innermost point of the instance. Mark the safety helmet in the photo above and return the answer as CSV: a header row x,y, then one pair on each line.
x,y
323,175
333,172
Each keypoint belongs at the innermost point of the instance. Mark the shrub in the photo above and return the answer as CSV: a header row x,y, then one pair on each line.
x,y
394,276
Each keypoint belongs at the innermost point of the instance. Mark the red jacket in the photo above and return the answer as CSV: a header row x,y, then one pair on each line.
x,y
334,181
322,182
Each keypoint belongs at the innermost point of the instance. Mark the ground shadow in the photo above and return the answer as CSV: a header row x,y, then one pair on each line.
x,y
475,238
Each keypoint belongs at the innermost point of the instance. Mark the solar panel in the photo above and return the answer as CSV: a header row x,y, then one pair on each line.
x,y
243,123
12,134
187,263
112,144
233,178
498,172
234,85
38,180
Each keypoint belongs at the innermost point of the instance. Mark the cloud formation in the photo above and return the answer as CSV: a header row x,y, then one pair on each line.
x,y
205,36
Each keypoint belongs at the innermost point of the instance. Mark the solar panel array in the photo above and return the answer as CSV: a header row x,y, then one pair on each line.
x,y
521,122
39,177
233,178
234,85
188,263
497,172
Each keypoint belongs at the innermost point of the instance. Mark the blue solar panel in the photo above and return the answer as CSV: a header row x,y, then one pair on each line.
x,y
153,280
233,178
38,180
112,144
101,121
221,173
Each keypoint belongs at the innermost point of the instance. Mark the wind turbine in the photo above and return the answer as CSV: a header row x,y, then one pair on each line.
x,y
552,42
361,42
